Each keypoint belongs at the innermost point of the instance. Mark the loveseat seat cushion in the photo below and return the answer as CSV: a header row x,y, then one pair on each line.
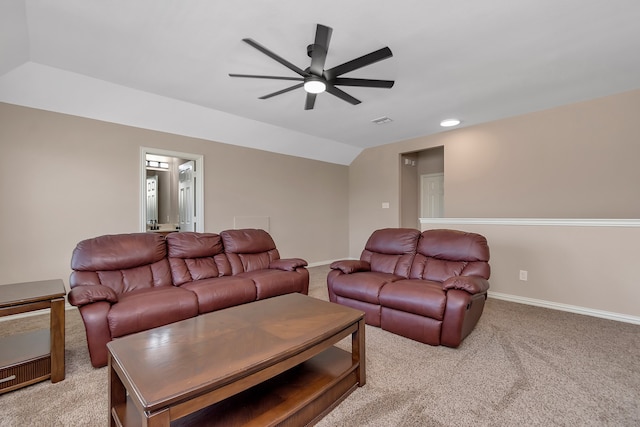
x,y
420,297
144,309
222,292
362,286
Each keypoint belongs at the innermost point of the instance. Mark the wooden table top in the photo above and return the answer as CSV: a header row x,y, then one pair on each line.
x,y
185,358
27,292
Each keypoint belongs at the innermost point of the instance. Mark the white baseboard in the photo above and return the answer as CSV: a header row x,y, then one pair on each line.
x,y
318,264
566,307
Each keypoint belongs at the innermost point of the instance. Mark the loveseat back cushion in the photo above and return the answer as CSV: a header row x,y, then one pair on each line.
x,y
391,250
249,249
195,256
123,262
446,253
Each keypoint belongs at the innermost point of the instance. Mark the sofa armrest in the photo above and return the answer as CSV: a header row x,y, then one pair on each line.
x,y
87,294
349,266
289,264
471,284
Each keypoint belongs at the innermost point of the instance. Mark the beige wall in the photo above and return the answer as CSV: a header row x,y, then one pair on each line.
x,y
576,161
65,178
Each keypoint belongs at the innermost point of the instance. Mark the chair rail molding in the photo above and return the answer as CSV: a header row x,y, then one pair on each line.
x,y
565,222
581,265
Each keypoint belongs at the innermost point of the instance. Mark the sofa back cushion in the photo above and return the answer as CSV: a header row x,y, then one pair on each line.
x,y
195,256
446,253
249,249
123,262
391,250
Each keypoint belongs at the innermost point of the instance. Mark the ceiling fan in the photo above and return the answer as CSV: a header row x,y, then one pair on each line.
x,y
315,79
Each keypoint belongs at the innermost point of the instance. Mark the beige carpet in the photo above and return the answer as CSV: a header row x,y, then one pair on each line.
x,y
522,366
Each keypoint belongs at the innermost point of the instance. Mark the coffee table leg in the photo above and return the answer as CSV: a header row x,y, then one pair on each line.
x,y
358,353
56,338
117,392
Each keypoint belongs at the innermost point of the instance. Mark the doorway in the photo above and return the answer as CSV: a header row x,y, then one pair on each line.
x,y
172,191
415,166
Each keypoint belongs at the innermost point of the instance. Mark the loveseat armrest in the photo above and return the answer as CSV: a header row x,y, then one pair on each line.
x,y
87,294
348,266
288,264
471,284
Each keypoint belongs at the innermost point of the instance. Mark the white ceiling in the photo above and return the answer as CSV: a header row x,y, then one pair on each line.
x,y
164,64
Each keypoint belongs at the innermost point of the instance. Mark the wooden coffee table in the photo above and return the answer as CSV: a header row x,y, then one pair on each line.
x,y
270,362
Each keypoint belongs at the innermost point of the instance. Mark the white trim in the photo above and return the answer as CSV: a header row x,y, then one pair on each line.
x,y
576,222
321,263
566,307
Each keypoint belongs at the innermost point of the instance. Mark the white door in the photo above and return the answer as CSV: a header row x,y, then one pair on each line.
x,y
152,199
432,195
186,196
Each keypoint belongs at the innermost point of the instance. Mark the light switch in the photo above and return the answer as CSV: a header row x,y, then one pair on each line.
x,y
385,205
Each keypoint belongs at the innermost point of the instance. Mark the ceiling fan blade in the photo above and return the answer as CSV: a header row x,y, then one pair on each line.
x,y
280,92
272,55
360,62
342,95
254,76
320,49
310,101
345,81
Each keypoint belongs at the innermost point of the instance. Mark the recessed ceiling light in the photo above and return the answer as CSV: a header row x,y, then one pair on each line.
x,y
449,123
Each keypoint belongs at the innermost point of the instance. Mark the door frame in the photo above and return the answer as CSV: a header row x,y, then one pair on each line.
x,y
198,174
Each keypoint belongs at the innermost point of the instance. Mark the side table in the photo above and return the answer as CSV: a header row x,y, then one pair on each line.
x,y
32,356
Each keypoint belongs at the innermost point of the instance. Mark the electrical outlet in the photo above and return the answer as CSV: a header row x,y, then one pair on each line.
x,y
385,205
523,275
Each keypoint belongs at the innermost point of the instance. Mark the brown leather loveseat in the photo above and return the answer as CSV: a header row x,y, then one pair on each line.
x,y
430,286
128,283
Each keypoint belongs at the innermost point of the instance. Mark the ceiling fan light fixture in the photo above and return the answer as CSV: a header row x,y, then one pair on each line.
x,y
314,85
447,123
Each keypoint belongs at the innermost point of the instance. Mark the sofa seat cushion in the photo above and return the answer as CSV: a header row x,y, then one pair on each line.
x,y
363,286
149,308
420,297
270,283
222,292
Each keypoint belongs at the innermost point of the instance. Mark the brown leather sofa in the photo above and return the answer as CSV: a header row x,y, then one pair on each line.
x,y
128,283
430,286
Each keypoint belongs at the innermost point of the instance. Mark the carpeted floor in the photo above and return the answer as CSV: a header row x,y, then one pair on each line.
x,y
521,366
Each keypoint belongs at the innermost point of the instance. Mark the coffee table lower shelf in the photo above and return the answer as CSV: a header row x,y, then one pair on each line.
x,y
300,396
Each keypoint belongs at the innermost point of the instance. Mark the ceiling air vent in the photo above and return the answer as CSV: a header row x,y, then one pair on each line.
x,y
381,120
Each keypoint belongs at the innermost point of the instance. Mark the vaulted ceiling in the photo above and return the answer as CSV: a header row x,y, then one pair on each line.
x,y
164,65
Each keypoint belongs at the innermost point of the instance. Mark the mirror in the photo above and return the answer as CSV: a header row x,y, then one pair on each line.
x,y
162,192
171,191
